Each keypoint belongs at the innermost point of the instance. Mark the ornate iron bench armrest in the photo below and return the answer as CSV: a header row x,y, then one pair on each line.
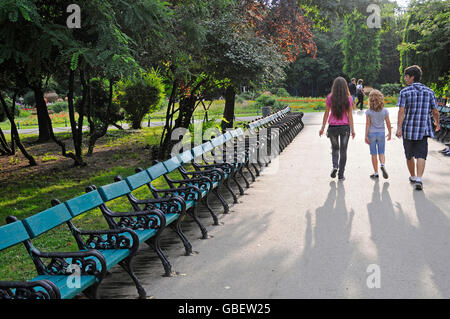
x,y
190,192
26,290
113,240
145,219
172,204
85,260
203,181
226,167
214,174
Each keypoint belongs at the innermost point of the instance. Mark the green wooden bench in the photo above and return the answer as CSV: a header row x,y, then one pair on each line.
x,y
60,269
172,208
10,235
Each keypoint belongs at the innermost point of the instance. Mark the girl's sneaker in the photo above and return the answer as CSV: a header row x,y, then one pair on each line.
x,y
385,174
419,185
374,176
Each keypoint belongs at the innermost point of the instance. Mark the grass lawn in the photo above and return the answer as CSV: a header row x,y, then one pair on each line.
x,y
28,190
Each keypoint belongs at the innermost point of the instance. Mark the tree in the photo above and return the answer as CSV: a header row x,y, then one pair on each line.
x,y
360,46
426,41
309,76
140,95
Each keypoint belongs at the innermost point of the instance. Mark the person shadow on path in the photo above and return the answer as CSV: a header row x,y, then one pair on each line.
x,y
434,234
398,253
324,262
406,253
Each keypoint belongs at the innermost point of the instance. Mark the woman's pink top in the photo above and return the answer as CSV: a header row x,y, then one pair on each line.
x,y
332,120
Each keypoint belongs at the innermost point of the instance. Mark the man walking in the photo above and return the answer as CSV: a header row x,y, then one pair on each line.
x,y
352,89
416,102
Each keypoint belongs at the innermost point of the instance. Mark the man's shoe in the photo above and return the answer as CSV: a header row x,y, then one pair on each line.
x,y
374,176
333,172
419,185
341,178
385,174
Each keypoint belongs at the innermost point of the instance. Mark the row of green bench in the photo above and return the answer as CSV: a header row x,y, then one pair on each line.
x,y
217,164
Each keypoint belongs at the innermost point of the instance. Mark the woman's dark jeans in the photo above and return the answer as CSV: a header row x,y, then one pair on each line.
x,y
339,136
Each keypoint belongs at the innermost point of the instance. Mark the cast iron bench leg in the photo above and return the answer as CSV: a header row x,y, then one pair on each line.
x,y
127,266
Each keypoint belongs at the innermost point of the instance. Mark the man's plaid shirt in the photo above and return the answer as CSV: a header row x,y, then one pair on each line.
x,y
418,101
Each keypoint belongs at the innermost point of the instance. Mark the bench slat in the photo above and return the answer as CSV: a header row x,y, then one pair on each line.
x,y
137,180
46,220
156,171
114,190
12,234
84,203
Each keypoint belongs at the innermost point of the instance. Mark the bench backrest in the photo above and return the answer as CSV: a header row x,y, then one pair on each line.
x,y
138,180
228,136
207,147
217,141
197,151
114,190
46,220
12,234
185,157
84,203
156,171
172,164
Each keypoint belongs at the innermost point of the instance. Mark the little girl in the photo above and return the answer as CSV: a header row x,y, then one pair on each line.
x,y
376,115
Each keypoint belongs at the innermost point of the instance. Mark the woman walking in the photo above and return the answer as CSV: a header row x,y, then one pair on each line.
x,y
340,124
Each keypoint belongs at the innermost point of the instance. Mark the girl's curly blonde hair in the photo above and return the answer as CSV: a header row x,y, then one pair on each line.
x,y
376,100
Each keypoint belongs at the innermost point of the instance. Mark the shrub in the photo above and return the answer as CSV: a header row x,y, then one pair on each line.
x,y
247,95
59,107
140,95
282,92
390,88
265,100
29,99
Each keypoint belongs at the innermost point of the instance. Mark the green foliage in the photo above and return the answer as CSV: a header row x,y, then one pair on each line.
x,y
307,75
140,95
360,46
389,89
442,88
28,98
282,92
58,107
247,95
426,41
265,100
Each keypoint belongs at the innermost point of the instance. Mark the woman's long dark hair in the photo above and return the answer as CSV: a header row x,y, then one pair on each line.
x,y
339,97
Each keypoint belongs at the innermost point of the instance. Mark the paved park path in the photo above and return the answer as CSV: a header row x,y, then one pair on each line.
x,y
299,234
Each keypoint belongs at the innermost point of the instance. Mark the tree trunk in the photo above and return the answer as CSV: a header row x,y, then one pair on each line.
x,y
4,147
75,132
167,130
15,133
42,114
228,112
95,133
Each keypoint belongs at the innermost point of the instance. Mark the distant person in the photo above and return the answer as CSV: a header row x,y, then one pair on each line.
x,y
352,89
416,102
376,115
340,124
360,94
